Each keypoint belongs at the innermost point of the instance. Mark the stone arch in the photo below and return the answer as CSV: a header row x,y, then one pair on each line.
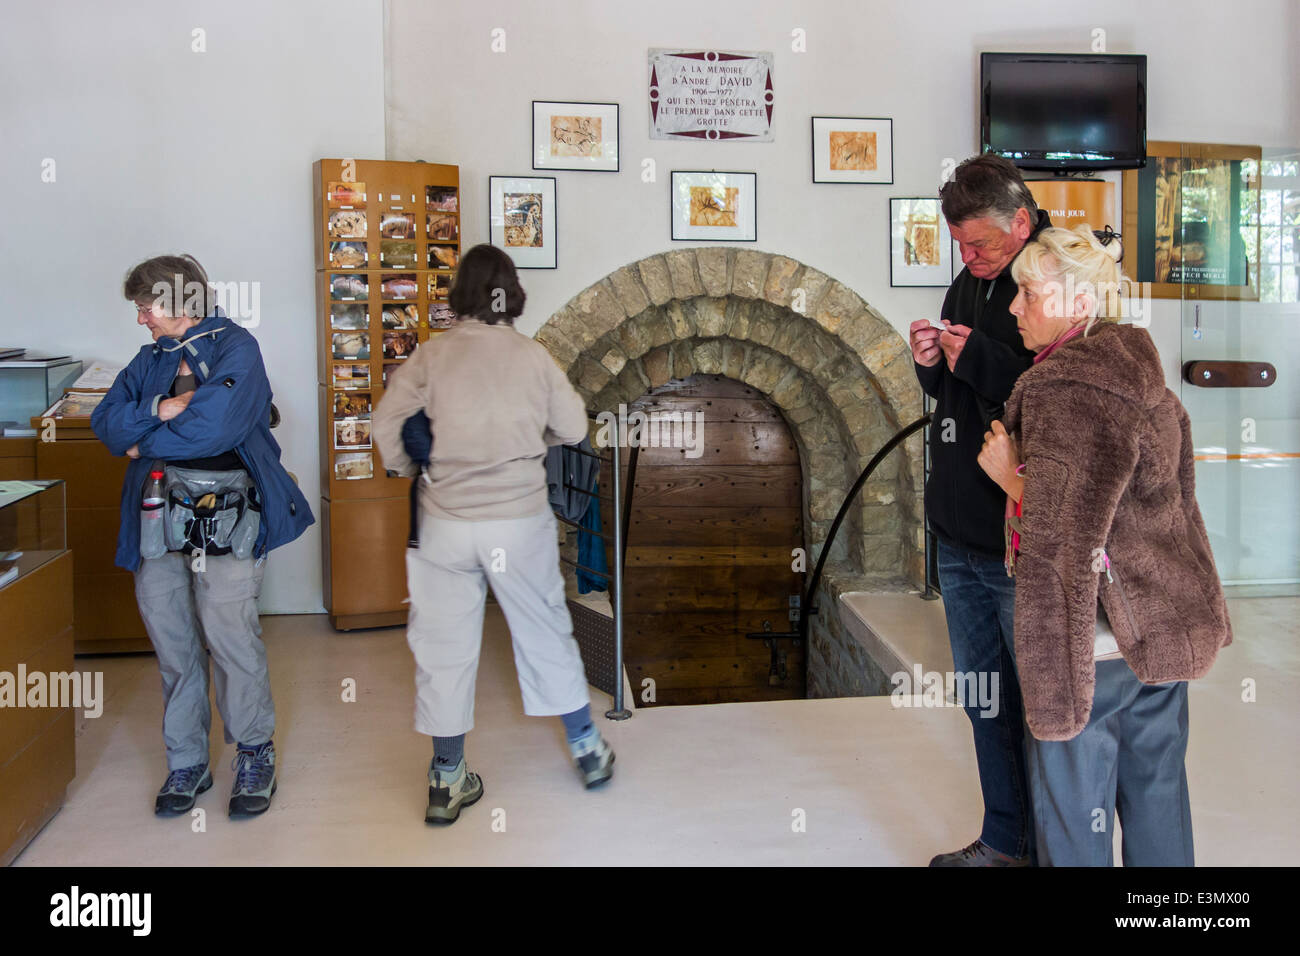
x,y
839,372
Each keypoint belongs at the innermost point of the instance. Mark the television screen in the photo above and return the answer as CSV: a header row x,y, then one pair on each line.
x,y
1064,111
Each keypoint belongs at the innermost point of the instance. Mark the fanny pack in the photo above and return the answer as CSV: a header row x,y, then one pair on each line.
x,y
215,512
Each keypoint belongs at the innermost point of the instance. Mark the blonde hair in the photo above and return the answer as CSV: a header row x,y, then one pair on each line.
x,y
1077,258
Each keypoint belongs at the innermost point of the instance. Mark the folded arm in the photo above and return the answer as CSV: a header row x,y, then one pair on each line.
x,y
125,415
221,413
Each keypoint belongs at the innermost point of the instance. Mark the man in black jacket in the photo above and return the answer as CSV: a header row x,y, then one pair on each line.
x,y
969,368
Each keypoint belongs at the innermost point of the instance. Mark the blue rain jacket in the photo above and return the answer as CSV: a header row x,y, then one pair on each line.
x,y
231,408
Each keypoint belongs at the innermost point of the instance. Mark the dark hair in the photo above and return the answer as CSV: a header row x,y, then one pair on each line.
x,y
986,185
487,286
180,280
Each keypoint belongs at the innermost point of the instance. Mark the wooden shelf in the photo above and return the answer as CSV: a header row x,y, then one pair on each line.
x,y
364,522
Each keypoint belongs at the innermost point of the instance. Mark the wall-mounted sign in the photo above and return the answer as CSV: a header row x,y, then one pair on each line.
x,y
710,95
1072,202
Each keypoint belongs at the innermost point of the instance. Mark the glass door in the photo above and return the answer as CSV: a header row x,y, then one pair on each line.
x,y
1241,360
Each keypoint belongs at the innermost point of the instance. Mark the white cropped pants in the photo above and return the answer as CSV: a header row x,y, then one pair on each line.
x,y
447,578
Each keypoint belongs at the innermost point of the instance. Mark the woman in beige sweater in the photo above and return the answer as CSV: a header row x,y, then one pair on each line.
x,y
495,399
1118,604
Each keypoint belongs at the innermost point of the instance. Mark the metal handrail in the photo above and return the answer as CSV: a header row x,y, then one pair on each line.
x,y
806,607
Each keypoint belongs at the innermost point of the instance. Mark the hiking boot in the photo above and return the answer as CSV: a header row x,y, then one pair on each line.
x,y
182,786
593,758
449,790
978,854
254,779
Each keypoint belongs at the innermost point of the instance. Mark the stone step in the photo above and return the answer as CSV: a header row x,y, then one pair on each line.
x,y
898,630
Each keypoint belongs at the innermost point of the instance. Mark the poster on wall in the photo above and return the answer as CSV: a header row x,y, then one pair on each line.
x,y
1187,216
920,248
852,149
521,219
711,95
721,207
575,136
1073,202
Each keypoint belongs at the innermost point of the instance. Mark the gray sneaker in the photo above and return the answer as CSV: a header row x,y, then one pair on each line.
x,y
594,759
254,779
978,854
180,789
451,790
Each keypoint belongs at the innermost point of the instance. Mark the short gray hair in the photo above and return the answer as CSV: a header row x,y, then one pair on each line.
x,y
986,186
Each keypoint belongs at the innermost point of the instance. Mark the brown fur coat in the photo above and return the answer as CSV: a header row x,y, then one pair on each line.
x,y
1108,467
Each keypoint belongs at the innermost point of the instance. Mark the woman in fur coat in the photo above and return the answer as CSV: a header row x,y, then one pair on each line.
x,y
1118,603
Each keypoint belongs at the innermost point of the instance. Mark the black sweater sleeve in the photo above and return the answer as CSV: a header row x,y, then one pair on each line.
x,y
990,367
931,375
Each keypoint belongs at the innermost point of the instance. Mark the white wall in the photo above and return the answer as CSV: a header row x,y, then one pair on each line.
x,y
160,149
1218,72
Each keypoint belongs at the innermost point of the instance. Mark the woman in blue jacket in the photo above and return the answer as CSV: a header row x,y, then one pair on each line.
x,y
198,399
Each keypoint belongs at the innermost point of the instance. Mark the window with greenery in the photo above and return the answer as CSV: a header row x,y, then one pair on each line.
x,y
1277,183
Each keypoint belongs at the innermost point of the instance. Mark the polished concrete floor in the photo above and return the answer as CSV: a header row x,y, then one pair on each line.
x,y
843,781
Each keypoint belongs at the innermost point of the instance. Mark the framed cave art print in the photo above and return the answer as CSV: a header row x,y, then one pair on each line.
x,y
1191,221
848,149
580,136
920,247
521,219
721,207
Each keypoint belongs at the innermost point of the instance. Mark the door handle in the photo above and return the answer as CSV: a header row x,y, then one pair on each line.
x,y
1229,374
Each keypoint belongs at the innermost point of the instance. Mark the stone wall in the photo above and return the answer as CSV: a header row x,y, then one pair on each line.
x,y
839,373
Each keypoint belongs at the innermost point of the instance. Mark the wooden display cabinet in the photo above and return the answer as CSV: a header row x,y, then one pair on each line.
x,y
103,595
387,244
37,744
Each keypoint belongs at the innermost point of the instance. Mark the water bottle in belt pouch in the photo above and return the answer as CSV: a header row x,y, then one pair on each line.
x,y
153,514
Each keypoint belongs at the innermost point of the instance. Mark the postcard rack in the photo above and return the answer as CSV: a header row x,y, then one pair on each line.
x,y
387,247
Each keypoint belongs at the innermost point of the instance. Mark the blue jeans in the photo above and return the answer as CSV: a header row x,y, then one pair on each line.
x,y
1130,759
980,603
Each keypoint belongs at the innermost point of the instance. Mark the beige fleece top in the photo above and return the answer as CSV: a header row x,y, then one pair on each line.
x,y
495,400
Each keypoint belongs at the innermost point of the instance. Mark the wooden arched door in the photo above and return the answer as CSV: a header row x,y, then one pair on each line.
x,y
709,550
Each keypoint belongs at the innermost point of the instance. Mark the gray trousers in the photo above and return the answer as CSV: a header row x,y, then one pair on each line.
x,y
182,610
1130,760
448,578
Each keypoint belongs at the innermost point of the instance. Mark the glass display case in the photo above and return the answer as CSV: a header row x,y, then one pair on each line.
x,y
32,527
29,384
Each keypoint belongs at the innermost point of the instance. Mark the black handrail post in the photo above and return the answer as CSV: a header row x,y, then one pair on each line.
x,y
931,592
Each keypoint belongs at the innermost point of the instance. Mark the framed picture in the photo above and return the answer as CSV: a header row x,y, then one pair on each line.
x,y
347,255
346,195
349,317
721,207
1191,221
351,433
351,405
575,136
397,225
442,198
521,219
347,224
351,376
348,288
920,247
353,466
399,286
848,149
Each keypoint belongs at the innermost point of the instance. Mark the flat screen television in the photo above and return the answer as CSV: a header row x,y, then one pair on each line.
x,y
1064,111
